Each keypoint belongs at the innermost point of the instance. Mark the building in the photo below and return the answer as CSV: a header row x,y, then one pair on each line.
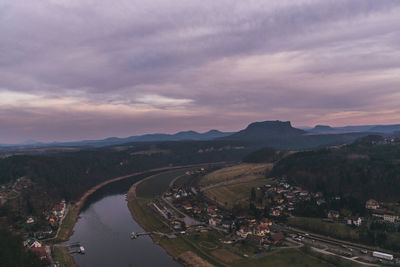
x,y
212,222
30,220
372,204
390,217
227,224
356,221
386,215
243,232
32,242
333,214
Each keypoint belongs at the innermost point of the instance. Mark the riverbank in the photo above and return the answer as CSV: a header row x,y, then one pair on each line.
x,y
66,229
177,248
71,217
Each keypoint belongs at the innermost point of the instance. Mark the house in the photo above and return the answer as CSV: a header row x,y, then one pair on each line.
x,y
187,206
196,210
212,222
390,217
318,194
356,221
41,251
333,214
289,195
304,193
265,222
372,204
212,209
386,215
53,220
243,231
59,209
226,224
275,212
261,230
30,220
32,242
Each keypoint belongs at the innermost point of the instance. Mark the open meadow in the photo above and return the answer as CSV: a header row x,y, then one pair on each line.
x,y
232,186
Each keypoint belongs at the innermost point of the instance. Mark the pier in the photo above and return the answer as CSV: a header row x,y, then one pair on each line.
x,y
76,248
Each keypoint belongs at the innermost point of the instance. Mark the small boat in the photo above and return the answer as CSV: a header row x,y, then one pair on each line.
x,y
81,250
133,235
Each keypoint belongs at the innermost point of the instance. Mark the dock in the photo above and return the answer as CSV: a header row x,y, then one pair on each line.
x,y
76,248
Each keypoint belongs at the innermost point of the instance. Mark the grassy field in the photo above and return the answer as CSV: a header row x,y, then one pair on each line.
x,y
183,180
295,258
145,217
158,184
63,257
236,172
317,225
235,193
231,186
68,224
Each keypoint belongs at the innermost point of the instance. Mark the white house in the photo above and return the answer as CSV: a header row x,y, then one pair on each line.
x,y
357,221
32,242
30,220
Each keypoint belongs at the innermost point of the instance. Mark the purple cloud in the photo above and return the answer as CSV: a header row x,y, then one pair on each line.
x,y
82,69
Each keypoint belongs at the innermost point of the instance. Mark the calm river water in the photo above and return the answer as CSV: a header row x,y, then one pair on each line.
x,y
104,227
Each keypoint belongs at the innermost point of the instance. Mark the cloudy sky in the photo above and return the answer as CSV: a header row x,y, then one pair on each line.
x,y
78,69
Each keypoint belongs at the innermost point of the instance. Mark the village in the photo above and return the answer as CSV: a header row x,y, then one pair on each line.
x,y
187,210
260,226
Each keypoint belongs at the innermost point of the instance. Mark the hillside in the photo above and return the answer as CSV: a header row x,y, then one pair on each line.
x,y
323,129
281,135
366,169
69,174
158,137
386,128
266,129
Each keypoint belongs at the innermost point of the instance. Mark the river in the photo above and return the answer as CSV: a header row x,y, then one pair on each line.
x,y
104,226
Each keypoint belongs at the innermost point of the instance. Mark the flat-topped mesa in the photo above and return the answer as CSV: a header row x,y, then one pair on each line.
x,y
265,129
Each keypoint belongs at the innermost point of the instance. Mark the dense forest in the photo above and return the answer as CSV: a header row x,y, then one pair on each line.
x,y
368,168
69,174
266,154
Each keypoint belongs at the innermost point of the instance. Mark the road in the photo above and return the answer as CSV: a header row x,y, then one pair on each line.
x,y
328,242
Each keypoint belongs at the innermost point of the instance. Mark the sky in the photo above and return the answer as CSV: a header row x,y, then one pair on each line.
x,y
87,69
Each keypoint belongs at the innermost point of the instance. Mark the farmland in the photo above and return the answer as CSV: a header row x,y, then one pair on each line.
x,y
249,171
231,186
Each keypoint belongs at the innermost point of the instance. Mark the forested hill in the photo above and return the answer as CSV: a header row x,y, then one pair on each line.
x,y
282,136
368,168
69,174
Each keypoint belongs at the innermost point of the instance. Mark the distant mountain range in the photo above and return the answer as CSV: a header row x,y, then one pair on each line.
x,y
265,130
278,134
281,135
159,137
387,129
